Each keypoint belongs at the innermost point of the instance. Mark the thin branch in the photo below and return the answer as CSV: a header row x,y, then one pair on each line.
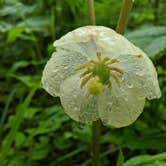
x,y
96,131
124,15
96,124
92,19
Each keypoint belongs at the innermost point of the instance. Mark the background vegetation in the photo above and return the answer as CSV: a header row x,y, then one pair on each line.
x,y
34,130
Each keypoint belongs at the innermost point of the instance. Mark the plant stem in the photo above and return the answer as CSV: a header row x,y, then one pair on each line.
x,y
124,15
96,125
53,23
156,11
92,19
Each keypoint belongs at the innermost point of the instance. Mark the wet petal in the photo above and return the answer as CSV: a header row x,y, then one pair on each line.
x,y
82,39
122,108
79,35
139,72
76,105
95,38
59,67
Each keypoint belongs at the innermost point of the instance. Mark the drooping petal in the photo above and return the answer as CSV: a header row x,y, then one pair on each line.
x,y
58,68
76,105
139,72
116,106
121,108
96,38
79,35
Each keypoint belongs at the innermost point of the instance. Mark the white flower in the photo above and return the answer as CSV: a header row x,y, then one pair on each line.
x,y
99,74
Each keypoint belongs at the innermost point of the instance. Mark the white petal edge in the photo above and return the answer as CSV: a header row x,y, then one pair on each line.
x,y
139,72
59,67
120,110
76,105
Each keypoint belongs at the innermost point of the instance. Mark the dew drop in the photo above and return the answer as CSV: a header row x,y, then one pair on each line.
x,y
140,73
140,97
55,70
47,88
130,85
75,108
126,99
110,104
74,96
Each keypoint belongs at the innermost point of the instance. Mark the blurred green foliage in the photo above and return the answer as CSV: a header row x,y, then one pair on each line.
x,y
34,130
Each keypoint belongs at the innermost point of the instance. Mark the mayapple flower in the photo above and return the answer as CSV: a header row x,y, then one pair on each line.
x,y
99,74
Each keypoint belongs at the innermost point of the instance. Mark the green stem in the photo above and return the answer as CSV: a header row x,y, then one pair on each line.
x,y
92,19
96,125
124,15
156,11
53,23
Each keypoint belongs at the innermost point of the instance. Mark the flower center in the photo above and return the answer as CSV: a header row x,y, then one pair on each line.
x,y
102,71
99,73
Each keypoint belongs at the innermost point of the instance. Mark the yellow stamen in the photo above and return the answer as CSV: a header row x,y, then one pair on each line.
x,y
112,61
92,73
116,79
110,85
106,59
85,73
98,56
93,62
85,80
117,69
87,94
81,66
95,87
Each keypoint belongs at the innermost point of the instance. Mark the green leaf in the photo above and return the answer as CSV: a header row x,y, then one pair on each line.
x,y
147,143
61,143
19,139
40,149
142,159
15,126
154,31
31,111
156,46
4,26
13,9
14,33
39,24
30,81
51,119
120,161
151,39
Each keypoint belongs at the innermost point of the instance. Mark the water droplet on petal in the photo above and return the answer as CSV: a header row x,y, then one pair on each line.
x,y
75,108
110,104
126,99
129,84
55,70
140,73
74,96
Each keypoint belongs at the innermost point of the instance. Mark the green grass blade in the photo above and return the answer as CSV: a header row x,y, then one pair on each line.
x,y
20,110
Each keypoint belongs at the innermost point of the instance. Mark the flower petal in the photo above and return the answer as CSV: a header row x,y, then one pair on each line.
x,y
97,38
76,105
58,68
139,72
82,39
120,109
